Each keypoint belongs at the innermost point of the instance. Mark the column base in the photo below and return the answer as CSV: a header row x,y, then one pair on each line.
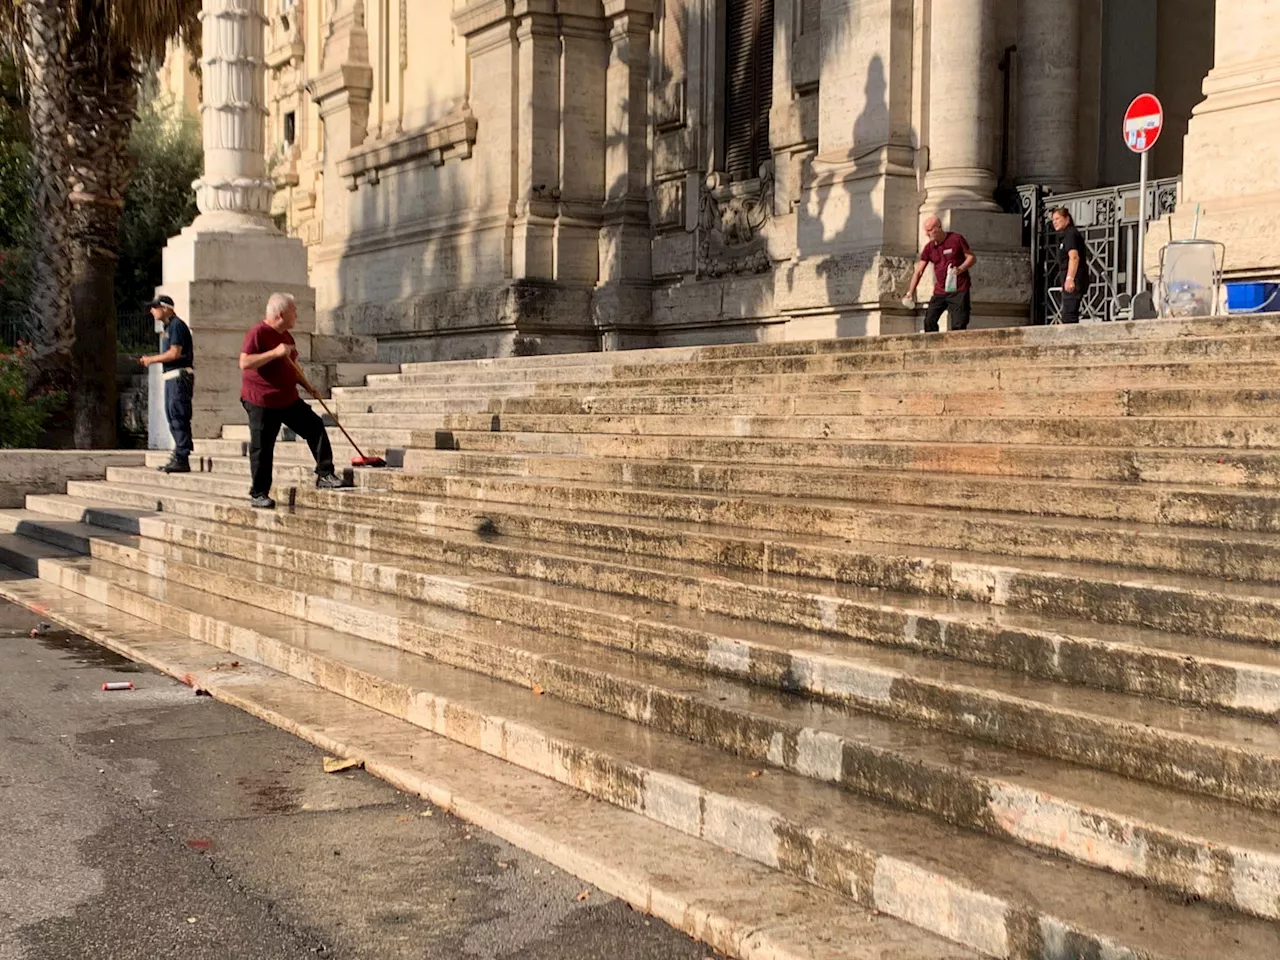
x,y
220,281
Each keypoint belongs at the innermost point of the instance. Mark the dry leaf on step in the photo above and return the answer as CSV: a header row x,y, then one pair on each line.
x,y
537,690
338,764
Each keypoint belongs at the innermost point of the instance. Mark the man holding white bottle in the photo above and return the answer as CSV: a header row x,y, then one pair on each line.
x,y
952,260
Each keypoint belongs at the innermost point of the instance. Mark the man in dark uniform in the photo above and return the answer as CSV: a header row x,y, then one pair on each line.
x,y
177,357
1073,264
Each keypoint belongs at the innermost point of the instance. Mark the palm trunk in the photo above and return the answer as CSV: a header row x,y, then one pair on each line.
x,y
44,42
104,86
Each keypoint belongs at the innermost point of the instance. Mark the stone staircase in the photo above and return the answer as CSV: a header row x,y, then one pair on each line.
x,y
979,630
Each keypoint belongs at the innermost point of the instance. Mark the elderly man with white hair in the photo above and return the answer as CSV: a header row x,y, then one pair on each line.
x,y
269,393
952,260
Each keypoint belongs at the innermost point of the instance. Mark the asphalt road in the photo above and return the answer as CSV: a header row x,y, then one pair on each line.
x,y
155,824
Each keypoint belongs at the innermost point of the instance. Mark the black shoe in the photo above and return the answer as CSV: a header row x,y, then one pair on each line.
x,y
176,466
330,481
261,501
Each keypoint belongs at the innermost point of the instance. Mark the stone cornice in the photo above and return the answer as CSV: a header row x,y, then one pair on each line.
x,y
354,78
617,8
453,136
479,14
284,54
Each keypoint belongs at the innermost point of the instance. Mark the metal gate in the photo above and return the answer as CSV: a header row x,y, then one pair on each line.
x,y
1108,221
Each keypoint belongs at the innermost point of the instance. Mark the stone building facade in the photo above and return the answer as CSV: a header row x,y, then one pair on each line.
x,y
488,177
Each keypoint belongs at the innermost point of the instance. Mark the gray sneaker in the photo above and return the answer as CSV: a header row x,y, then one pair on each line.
x,y
261,501
330,481
176,466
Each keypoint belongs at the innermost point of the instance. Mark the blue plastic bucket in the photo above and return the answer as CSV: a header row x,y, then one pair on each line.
x,y
1253,297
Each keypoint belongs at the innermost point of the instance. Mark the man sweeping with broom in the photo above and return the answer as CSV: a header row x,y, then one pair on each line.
x,y
269,393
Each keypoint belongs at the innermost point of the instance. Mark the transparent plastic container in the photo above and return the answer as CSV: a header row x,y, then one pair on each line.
x,y
1190,275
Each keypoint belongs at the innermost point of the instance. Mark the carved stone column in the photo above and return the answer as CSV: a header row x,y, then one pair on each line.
x,y
1231,166
1048,92
624,298
963,121
221,270
235,191
962,104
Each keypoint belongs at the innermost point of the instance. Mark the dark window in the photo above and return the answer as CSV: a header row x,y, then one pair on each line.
x,y
290,127
748,86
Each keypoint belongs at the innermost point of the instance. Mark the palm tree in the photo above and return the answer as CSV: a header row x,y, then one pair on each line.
x,y
41,31
101,49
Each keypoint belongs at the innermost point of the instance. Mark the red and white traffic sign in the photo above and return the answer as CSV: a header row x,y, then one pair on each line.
x,y
1143,122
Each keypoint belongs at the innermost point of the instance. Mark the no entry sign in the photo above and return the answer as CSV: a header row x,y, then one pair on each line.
x,y
1143,122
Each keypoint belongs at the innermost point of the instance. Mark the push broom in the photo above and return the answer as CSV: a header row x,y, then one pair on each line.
x,y
357,461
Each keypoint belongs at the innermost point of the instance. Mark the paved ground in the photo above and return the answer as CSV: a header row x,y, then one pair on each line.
x,y
156,824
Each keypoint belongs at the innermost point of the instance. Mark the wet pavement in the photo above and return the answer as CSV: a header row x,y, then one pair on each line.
x,y
155,824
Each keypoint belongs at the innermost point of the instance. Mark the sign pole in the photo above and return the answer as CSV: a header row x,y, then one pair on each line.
x,y
1142,226
1143,124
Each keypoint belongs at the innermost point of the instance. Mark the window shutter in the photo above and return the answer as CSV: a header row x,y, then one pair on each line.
x,y
748,86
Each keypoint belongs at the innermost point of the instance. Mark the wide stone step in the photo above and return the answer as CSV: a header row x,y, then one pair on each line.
x,y
1215,466
1139,432
674,777
847,554
985,403
1238,612
910,357
1257,374
1003,336
736,648
752,910
655,488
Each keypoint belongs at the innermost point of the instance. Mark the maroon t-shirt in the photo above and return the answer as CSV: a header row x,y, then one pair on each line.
x,y
952,251
273,385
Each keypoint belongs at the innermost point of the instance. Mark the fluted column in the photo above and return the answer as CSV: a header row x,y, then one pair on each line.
x,y
963,64
1048,92
235,183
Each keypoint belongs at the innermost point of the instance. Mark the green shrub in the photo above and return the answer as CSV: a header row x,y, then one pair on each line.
x,y
22,417
168,157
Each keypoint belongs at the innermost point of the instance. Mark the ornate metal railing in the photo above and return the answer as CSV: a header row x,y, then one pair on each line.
x,y
1108,220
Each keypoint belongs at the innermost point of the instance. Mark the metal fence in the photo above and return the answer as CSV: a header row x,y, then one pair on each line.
x,y
1108,221
135,332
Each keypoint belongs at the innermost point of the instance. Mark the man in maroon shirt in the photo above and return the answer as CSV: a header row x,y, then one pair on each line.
x,y
269,393
947,252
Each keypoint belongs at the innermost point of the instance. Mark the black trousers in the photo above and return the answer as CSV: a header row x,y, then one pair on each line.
x,y
956,306
264,427
1071,303
177,409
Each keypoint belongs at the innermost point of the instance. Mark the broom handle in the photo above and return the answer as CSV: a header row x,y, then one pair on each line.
x,y
326,409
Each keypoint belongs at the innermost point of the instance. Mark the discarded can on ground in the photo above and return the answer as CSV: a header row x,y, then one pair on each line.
x,y
126,685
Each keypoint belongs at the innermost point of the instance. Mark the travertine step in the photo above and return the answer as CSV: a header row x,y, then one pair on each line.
x,y
733,642
750,911
1238,349
699,493
1073,378
1172,402
806,742
1229,466
1240,610
980,627
1258,324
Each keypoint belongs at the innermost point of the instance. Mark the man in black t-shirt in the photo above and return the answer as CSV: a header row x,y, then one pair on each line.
x,y
1073,264
177,357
